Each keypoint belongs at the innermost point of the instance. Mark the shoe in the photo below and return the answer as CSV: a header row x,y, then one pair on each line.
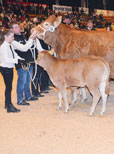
x,y
12,109
49,88
10,105
32,99
23,103
38,95
44,91
51,84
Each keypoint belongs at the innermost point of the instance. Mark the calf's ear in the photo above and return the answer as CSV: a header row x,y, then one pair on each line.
x,y
58,21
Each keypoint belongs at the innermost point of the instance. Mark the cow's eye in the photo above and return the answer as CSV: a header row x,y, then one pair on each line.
x,y
46,24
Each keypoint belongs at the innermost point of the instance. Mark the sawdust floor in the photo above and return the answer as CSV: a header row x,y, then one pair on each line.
x,y
41,129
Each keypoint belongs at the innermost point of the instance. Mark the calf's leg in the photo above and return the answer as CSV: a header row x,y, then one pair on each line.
x,y
82,92
96,96
104,97
60,100
73,95
64,95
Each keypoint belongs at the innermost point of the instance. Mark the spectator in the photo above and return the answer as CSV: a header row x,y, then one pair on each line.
x,y
101,17
37,9
90,25
5,21
108,26
46,11
99,24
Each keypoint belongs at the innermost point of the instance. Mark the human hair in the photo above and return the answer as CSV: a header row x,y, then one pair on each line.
x,y
12,23
4,32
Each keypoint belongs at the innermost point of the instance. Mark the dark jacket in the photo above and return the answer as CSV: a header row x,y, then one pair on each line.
x,y
29,55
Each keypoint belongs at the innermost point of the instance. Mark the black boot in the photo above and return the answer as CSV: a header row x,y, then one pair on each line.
x,y
11,108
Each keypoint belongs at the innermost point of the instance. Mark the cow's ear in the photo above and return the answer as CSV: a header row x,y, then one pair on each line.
x,y
58,21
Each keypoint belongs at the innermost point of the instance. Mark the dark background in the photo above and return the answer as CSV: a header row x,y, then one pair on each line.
x,y
96,4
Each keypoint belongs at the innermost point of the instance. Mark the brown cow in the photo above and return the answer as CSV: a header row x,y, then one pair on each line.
x,y
72,43
90,71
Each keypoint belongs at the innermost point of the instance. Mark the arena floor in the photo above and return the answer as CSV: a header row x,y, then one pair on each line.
x,y
41,129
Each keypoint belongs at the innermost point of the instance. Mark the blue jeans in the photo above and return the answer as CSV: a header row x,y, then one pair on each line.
x,y
23,84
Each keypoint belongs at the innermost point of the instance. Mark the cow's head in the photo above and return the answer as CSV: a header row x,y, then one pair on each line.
x,y
48,25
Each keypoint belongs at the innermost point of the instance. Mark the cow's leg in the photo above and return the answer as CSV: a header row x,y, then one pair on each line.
x,y
64,95
82,92
73,95
96,96
60,100
104,96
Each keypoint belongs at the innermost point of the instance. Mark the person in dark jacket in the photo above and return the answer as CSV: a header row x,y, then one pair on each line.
x,y
40,77
24,69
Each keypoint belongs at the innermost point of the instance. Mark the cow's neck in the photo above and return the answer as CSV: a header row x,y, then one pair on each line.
x,y
51,61
57,39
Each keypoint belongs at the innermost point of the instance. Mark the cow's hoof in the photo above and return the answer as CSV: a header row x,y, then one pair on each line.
x,y
72,103
84,100
67,110
59,108
91,114
102,113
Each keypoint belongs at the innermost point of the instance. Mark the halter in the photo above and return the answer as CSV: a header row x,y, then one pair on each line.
x,y
51,29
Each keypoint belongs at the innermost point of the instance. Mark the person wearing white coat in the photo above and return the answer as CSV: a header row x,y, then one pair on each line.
x,y
8,59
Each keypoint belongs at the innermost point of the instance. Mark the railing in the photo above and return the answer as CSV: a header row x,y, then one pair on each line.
x,y
109,18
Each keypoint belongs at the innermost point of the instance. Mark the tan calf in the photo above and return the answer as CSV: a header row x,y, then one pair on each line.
x,y
90,71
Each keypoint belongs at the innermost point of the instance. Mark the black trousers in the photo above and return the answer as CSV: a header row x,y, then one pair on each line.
x,y
7,74
44,80
41,79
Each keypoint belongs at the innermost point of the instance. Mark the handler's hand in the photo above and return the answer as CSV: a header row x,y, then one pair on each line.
x,y
33,34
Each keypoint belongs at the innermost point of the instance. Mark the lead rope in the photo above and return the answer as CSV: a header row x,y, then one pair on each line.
x,y
32,78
